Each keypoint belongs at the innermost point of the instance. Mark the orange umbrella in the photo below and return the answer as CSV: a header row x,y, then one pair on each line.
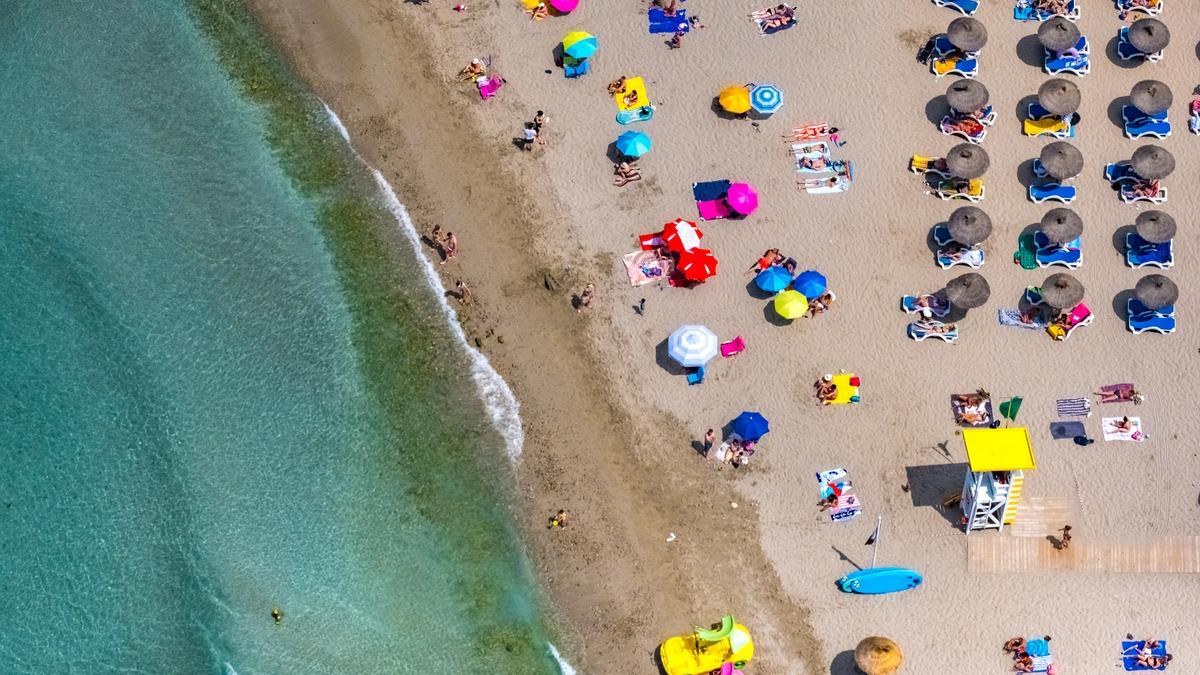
x,y
681,235
697,264
735,99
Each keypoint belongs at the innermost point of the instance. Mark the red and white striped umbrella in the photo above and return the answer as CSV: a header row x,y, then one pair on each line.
x,y
681,235
697,264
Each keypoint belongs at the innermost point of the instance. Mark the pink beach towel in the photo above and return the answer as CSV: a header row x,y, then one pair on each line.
x,y
647,267
714,209
488,88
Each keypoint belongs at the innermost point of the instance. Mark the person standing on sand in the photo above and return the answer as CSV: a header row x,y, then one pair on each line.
x,y
709,437
435,238
464,291
1065,542
449,247
539,121
531,135
558,520
586,297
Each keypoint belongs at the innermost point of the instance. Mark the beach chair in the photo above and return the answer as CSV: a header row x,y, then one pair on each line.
x,y
1130,113
954,65
1130,196
696,376
1147,127
1081,315
908,303
922,165
1025,11
1049,126
965,7
573,68
1052,192
734,347
661,23
1052,255
920,332
1150,323
1120,172
970,256
949,130
1155,7
1131,649
972,191
941,235
1080,65
1142,253
1134,307
988,118
1127,52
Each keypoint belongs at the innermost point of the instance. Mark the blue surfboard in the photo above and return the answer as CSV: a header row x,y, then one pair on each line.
x,y
880,580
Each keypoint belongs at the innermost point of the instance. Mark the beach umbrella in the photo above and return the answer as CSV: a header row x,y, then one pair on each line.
x,y
1150,96
773,279
1062,290
1058,34
878,656
751,426
735,99
697,264
564,6
969,225
1150,36
967,34
580,45
1156,290
766,98
1058,96
1061,160
1061,225
1155,227
968,291
633,144
681,235
692,345
967,96
742,198
791,304
1152,162
810,283
967,161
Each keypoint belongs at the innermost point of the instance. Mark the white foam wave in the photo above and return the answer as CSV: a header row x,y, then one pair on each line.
x,y
563,667
495,393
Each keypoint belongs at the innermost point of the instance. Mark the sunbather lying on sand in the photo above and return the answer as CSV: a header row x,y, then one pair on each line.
x,y
1118,395
617,86
830,182
778,19
813,163
820,304
767,259
474,69
967,125
626,172
631,98
1014,646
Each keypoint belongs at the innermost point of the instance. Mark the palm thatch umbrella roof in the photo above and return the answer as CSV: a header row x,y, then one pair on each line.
x,y
1151,96
967,161
878,656
1156,290
1058,34
1061,160
1062,291
968,291
969,225
1155,227
1060,97
967,96
1061,225
1150,36
967,34
1152,162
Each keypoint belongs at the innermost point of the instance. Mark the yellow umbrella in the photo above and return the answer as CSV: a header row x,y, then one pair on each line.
x,y
735,99
578,44
878,656
791,304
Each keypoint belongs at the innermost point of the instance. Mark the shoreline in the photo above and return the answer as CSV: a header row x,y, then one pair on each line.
x,y
601,573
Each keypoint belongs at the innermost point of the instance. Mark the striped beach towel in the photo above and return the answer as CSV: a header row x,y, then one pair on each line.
x,y
1073,407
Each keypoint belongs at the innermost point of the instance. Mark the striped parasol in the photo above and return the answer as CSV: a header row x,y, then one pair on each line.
x,y
681,235
766,98
692,345
697,264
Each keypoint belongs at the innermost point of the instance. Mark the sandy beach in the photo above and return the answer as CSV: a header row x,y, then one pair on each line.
x,y
610,424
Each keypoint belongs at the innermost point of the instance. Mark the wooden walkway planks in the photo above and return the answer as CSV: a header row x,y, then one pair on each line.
x,y
1041,516
992,553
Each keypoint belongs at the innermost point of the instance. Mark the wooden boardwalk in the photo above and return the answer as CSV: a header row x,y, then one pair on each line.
x,y
1041,516
992,553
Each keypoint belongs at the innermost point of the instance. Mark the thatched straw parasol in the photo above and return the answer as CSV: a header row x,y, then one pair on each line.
x,y
1058,34
967,34
1155,291
1155,227
1061,225
969,225
1152,162
967,161
968,291
1059,96
878,656
1150,36
967,96
1061,160
1150,96
1062,291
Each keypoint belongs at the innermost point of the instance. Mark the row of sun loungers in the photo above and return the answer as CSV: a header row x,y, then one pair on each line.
x,y
1025,11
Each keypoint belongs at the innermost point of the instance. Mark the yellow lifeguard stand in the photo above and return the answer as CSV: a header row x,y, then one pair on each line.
x,y
998,459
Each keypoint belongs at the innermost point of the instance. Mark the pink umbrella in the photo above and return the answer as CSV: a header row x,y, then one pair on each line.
x,y
742,198
564,6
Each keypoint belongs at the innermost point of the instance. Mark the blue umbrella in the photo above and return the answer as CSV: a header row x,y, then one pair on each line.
x,y
633,144
773,279
751,426
766,98
810,283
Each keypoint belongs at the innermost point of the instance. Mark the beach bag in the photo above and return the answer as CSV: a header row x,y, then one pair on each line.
x,y
1056,331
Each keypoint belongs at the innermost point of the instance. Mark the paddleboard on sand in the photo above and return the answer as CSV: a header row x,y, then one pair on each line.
x,y
880,580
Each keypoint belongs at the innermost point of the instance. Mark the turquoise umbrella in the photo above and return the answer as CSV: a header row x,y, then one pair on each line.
x,y
633,144
579,45
773,279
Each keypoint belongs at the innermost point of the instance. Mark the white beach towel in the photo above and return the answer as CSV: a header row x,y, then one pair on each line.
x,y
1112,433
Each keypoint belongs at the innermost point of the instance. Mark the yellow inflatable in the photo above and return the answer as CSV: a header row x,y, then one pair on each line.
x,y
702,651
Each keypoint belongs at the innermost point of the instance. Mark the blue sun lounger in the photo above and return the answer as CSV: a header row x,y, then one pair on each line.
x,y
1050,255
1139,124
1025,11
575,67
1142,253
1052,192
1128,52
1119,172
1080,65
967,7
919,334
1130,113
1128,6
908,303
1130,651
1135,308
661,23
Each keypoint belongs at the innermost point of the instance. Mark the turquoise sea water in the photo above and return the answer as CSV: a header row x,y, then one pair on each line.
x,y
215,401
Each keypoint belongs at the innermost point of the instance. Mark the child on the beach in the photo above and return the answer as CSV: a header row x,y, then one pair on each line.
x,y
531,135
449,247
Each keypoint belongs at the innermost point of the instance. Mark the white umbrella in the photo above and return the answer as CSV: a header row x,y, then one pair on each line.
x,y
692,345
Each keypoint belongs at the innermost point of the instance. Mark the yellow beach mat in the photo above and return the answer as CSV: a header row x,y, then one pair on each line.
x,y
943,66
846,392
631,85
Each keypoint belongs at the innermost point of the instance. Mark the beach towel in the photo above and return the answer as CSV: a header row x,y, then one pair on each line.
x,y
835,482
1066,430
847,389
633,84
1130,650
812,151
1012,317
710,190
841,185
715,209
983,410
651,241
1111,433
661,23
1073,407
645,267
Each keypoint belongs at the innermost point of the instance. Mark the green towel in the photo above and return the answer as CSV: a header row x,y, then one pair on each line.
x,y
1010,408
1026,253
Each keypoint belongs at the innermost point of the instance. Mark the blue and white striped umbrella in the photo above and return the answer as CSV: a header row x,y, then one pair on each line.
x,y
692,345
766,98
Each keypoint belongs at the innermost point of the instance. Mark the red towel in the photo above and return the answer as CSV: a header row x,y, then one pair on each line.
x,y
651,241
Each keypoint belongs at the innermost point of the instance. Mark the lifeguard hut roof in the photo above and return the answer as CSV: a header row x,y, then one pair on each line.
x,y
999,449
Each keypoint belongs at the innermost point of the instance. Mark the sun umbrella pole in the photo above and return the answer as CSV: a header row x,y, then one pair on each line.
x,y
878,534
